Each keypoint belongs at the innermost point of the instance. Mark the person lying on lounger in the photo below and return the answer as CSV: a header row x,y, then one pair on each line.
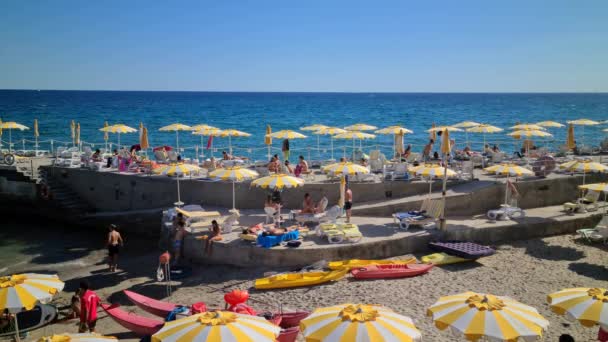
x,y
308,206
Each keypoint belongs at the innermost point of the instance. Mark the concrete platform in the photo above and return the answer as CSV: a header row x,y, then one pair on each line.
x,y
382,239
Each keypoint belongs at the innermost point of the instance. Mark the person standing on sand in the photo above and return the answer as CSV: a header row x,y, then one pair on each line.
x,y
88,308
348,201
114,243
178,240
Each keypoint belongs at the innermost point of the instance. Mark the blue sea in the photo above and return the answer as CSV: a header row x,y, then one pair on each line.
x,y
251,112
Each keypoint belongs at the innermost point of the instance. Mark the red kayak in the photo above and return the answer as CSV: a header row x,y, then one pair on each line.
x,y
292,319
153,306
390,271
142,326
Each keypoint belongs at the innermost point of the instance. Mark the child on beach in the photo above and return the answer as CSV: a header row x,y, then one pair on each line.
x,y
88,308
114,243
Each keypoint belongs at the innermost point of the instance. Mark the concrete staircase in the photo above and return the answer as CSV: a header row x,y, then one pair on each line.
x,y
30,167
64,197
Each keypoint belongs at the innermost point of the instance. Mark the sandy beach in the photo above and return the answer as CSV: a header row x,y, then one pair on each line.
x,y
524,270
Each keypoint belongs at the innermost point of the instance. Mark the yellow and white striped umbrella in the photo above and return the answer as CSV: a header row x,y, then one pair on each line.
x,y
358,322
354,135
345,169
208,132
36,133
509,170
483,128
287,134
218,326
118,128
434,171
527,133
584,166
528,127
21,291
314,127
466,124
603,187
495,318
92,337
278,182
201,126
330,131
549,124
586,305
233,133
584,122
394,130
235,174
177,170
443,128
13,125
175,127
360,127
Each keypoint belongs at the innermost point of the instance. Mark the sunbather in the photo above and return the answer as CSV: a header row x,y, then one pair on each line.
x,y
308,206
406,154
216,235
288,168
363,162
274,165
227,156
96,157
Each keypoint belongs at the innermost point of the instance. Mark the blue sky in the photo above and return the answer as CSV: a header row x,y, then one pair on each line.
x,y
367,46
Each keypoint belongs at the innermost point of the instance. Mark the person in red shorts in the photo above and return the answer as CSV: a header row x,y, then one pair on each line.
x,y
88,308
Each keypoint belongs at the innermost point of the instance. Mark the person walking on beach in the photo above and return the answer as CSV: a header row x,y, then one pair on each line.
x,y
348,201
88,308
428,148
114,243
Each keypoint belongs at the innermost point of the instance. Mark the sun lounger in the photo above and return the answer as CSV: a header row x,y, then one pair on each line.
x,y
339,232
430,211
506,212
198,214
226,222
599,233
587,203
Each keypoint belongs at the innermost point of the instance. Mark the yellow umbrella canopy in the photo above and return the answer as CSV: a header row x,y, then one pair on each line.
x,y
584,122
330,131
358,322
218,326
549,124
570,143
345,169
180,169
36,133
314,127
587,166
354,135
208,132
268,138
483,128
394,130
476,316
118,129
528,127
603,187
11,125
175,127
277,182
466,124
233,133
446,144
529,133
92,337
509,170
443,128
287,134
143,141
23,291
360,127
433,171
201,126
589,306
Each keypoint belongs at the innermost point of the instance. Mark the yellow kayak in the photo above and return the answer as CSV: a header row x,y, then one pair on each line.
x,y
298,279
442,259
354,263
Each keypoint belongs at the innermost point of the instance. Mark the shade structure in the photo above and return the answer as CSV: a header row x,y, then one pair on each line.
x,y
483,128
394,130
278,182
143,140
11,125
589,306
446,149
584,122
268,140
360,127
23,291
570,142
77,338
36,133
528,127
511,170
201,126
233,174
434,171
588,166
603,187
354,135
177,170
549,124
476,316
527,133
218,326
443,128
331,131
176,127
118,129
232,133
346,169
314,127
287,134
358,322
466,124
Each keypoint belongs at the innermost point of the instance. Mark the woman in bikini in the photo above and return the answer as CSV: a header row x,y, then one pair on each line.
x,y
216,235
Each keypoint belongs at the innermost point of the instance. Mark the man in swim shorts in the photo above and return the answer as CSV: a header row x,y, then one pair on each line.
x,y
114,244
178,240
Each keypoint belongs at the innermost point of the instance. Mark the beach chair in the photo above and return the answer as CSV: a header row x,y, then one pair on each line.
x,y
339,232
414,156
172,155
160,157
598,233
400,172
589,202
271,214
303,218
428,215
506,211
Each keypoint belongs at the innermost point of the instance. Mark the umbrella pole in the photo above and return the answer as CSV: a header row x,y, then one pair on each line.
x,y
119,140
230,144
318,146
179,199
233,198
332,147
177,140
442,222
202,149
10,140
17,337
